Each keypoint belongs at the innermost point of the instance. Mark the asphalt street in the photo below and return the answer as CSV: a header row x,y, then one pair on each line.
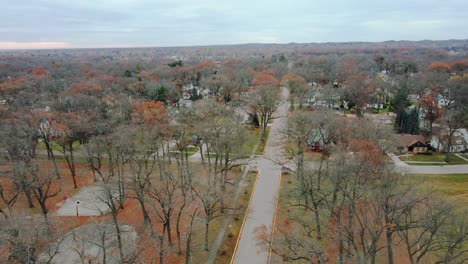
x,y
262,208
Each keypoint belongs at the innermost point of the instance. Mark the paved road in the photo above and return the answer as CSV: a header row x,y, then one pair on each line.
x,y
413,169
262,208
90,203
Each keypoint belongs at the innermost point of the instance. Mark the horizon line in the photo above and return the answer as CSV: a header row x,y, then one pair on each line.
x,y
64,47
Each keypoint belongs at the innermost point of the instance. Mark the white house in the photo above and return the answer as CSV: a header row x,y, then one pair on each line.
x,y
459,141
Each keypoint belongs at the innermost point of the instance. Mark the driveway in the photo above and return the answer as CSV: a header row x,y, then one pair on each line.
x,y
262,208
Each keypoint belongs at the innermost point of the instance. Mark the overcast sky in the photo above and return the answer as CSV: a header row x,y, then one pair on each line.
x,y
145,23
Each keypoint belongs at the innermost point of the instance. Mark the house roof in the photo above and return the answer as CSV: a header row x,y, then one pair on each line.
x,y
406,140
317,135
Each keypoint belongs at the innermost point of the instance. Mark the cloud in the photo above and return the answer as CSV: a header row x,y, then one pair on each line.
x,y
105,23
33,45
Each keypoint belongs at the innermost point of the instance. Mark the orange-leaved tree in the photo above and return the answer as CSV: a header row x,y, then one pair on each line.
x,y
264,97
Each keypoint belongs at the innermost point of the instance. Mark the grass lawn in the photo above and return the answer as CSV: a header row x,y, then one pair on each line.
x,y
312,156
262,143
251,139
455,160
289,195
425,158
226,250
435,159
55,146
454,186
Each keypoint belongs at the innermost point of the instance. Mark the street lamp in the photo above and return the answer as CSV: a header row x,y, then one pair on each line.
x,y
77,203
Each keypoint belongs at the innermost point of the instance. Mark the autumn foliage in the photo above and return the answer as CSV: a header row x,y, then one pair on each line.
x,y
151,113
439,66
38,72
265,78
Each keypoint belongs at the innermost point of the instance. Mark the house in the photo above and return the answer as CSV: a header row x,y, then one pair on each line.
x,y
316,140
411,143
458,143
442,101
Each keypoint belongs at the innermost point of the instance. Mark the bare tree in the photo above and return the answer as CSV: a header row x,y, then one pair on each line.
x,y
298,88
188,246
422,227
45,124
42,189
163,198
211,206
108,196
9,199
19,141
25,237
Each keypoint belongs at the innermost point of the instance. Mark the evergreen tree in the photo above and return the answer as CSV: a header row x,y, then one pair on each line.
x,y
409,122
399,104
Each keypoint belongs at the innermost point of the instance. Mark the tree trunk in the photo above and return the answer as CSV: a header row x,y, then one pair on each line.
x,y
169,230
43,207
121,182
29,198
70,163
161,248
317,223
119,237
50,155
146,218
389,246
179,215
188,247
207,226
103,243
340,242
94,175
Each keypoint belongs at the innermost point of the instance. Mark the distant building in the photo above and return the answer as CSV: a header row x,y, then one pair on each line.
x,y
316,142
442,101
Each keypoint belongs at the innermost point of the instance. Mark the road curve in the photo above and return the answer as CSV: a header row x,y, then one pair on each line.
x,y
412,169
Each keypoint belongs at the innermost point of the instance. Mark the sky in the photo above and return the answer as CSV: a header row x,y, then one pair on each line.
x,y
155,23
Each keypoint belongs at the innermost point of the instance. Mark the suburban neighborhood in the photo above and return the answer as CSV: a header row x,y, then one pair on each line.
x,y
233,132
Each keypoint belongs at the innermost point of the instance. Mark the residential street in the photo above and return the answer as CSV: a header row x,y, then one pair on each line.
x,y
413,169
262,208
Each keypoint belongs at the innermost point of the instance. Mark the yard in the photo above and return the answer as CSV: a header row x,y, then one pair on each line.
x,y
132,214
55,146
435,159
453,186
